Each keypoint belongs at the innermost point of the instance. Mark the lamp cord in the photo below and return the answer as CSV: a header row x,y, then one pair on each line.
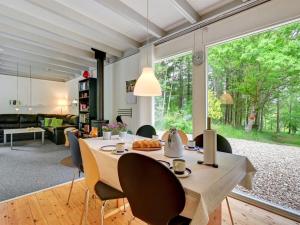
x,y
30,87
147,41
17,83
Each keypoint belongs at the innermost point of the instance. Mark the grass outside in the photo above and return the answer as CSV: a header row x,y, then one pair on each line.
x,y
265,136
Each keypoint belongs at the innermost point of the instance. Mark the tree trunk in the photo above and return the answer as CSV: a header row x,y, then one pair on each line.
x,y
290,116
261,122
278,117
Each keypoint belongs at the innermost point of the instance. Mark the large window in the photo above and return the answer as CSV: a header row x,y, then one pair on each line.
x,y
174,107
254,101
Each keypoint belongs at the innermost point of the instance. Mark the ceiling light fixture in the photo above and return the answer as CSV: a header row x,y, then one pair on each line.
x,y
147,84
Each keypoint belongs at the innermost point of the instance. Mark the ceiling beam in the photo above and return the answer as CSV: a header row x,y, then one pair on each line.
x,y
186,10
38,17
52,77
26,62
80,18
20,30
40,58
27,46
26,69
128,13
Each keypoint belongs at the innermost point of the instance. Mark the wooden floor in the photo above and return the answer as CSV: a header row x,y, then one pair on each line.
x,y
49,207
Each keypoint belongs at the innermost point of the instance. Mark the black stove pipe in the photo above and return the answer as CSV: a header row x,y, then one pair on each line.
x,y
100,57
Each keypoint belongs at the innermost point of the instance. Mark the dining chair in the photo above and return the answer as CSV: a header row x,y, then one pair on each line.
x,y
119,119
154,193
76,159
183,136
146,131
222,146
94,186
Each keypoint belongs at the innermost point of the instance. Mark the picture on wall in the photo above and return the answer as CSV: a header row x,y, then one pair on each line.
x,y
130,98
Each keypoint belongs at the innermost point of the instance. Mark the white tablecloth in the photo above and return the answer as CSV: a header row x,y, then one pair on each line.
x,y
205,188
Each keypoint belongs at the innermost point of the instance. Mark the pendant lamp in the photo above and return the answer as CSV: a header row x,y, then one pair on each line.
x,y
147,84
226,99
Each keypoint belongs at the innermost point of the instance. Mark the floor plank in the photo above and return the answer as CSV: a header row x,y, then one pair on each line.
x,y
49,207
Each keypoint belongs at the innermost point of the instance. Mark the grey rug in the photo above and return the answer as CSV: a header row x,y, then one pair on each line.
x,y
32,167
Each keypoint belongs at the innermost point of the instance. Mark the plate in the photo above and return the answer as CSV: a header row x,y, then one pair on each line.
x,y
119,153
108,148
146,149
187,173
165,163
196,148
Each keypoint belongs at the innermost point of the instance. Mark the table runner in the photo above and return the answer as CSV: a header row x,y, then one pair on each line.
x,y
205,188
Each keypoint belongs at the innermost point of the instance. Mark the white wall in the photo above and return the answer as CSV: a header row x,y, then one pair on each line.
x,y
122,71
46,95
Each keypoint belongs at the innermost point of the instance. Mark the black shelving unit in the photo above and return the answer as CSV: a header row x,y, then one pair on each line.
x,y
87,103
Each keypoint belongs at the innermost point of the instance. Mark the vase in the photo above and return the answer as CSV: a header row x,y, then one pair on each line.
x,y
122,134
106,135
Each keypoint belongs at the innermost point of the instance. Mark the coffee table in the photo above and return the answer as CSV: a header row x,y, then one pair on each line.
x,y
22,131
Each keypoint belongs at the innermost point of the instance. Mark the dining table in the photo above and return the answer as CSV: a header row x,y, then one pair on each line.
x,y
205,188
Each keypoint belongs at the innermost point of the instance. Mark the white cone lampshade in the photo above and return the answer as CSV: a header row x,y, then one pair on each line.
x,y
147,84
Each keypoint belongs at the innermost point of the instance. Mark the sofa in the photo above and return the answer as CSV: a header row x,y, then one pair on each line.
x,y
55,134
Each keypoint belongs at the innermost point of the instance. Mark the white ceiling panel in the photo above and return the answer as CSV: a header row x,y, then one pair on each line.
x,y
161,13
103,15
205,6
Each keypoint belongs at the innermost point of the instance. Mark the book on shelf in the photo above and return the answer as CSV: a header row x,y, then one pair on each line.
x,y
84,118
84,86
84,107
83,95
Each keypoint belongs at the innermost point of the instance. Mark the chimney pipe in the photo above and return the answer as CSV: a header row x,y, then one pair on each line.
x,y
100,57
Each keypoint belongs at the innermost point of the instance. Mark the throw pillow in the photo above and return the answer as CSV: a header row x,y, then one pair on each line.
x,y
56,122
48,122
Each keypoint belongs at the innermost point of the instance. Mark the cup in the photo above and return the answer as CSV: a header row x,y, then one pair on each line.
x,y
155,137
179,166
191,144
120,147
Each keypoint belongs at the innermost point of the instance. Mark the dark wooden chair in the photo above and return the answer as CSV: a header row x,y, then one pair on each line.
x,y
222,143
154,193
76,158
146,131
222,146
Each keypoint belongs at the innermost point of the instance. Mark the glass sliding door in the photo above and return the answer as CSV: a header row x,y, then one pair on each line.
x,y
254,101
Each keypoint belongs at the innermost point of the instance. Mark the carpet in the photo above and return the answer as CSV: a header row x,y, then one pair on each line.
x,y
32,167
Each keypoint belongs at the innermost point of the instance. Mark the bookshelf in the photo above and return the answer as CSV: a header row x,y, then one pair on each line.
x,y
87,103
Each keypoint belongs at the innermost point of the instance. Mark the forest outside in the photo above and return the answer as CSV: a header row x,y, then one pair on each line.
x,y
262,74
174,107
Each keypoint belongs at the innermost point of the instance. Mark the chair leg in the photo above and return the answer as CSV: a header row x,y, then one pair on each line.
x,y
71,188
102,212
86,208
132,219
124,208
229,210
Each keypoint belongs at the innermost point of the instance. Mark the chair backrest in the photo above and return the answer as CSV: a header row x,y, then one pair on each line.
x,y
119,119
146,131
75,150
222,144
154,193
91,171
183,136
